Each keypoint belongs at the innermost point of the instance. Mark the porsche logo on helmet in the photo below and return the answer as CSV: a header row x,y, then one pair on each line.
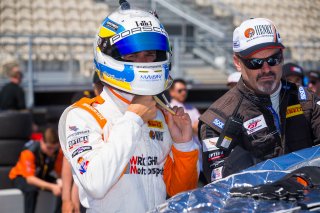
x,y
249,33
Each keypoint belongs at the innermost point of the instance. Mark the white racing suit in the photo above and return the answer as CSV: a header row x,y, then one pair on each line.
x,y
119,163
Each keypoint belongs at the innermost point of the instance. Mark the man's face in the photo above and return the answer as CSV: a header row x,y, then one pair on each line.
x,y
314,85
142,57
264,80
179,92
18,73
49,148
294,79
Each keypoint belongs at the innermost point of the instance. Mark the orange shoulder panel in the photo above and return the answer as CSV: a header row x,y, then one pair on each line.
x,y
86,104
180,173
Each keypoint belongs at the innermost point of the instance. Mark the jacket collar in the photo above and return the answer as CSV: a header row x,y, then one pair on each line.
x,y
120,100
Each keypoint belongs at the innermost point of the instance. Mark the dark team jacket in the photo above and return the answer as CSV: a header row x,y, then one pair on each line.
x,y
264,134
33,162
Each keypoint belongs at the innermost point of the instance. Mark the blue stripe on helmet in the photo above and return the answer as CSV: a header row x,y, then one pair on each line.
x,y
126,74
142,42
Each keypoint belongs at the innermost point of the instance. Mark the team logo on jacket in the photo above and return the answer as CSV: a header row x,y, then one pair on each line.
x,y
255,124
140,165
294,110
155,124
82,165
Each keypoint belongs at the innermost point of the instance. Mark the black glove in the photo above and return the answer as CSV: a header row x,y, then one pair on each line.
x,y
290,187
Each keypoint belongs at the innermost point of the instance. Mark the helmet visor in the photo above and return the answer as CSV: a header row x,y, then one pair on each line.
x,y
138,42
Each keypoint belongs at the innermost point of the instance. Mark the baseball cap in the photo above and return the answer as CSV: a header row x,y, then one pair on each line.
x,y
290,69
254,35
314,74
234,77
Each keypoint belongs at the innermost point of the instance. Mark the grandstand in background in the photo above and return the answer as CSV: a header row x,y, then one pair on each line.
x,y
53,39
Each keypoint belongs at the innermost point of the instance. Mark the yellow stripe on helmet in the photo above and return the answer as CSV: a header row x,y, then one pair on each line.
x,y
105,32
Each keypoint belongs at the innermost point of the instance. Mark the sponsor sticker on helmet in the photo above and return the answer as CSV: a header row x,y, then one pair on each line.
x,y
255,124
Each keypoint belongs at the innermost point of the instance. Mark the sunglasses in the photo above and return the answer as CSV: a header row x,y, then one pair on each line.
x,y
181,90
257,63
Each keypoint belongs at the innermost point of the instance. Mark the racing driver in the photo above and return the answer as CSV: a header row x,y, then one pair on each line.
x,y
126,153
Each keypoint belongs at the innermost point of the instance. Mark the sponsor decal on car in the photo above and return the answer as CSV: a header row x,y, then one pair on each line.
x,y
255,124
294,110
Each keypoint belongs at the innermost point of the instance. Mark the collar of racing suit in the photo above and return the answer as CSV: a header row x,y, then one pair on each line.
x,y
121,99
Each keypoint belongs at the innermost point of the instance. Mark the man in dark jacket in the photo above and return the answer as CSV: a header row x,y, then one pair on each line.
x,y
262,116
12,94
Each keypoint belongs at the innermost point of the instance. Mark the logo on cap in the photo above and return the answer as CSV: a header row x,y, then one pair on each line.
x,y
249,33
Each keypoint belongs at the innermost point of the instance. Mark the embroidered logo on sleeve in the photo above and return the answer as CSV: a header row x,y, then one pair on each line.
x,y
294,110
77,138
218,123
82,165
255,124
81,150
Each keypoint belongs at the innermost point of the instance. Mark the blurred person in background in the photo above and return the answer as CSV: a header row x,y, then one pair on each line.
x,y
12,94
293,73
314,82
96,84
178,93
119,144
258,118
39,168
233,79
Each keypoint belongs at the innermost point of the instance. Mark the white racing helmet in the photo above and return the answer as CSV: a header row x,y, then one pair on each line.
x,y
129,31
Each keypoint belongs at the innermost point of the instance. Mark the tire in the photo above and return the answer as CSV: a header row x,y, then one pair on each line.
x,y
5,182
15,125
10,151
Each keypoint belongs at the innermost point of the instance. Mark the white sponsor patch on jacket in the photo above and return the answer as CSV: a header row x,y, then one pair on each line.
x,y
255,124
318,102
210,144
302,93
218,123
